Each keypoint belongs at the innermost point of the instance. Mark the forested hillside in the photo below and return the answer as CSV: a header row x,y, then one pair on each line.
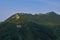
x,y
28,31
33,27
50,18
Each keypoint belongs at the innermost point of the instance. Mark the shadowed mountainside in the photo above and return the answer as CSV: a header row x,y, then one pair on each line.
x,y
28,31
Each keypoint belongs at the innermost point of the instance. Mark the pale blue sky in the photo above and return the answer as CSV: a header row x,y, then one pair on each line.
x,y
9,7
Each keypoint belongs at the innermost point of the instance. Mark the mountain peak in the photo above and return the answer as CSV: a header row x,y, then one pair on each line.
x,y
51,13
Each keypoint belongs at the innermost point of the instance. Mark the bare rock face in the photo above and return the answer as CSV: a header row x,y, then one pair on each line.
x,y
17,17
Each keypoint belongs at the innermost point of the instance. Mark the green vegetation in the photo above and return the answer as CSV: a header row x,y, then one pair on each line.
x,y
29,31
34,27
50,18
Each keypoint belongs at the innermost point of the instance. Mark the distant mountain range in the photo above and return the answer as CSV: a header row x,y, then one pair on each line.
x,y
50,18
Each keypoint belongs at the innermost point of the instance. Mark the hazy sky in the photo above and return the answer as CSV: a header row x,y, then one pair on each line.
x,y
9,7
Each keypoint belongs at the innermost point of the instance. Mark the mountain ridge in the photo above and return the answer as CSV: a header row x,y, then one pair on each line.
x,y
50,18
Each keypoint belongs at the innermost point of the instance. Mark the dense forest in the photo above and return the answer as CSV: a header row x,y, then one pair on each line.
x,y
33,27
